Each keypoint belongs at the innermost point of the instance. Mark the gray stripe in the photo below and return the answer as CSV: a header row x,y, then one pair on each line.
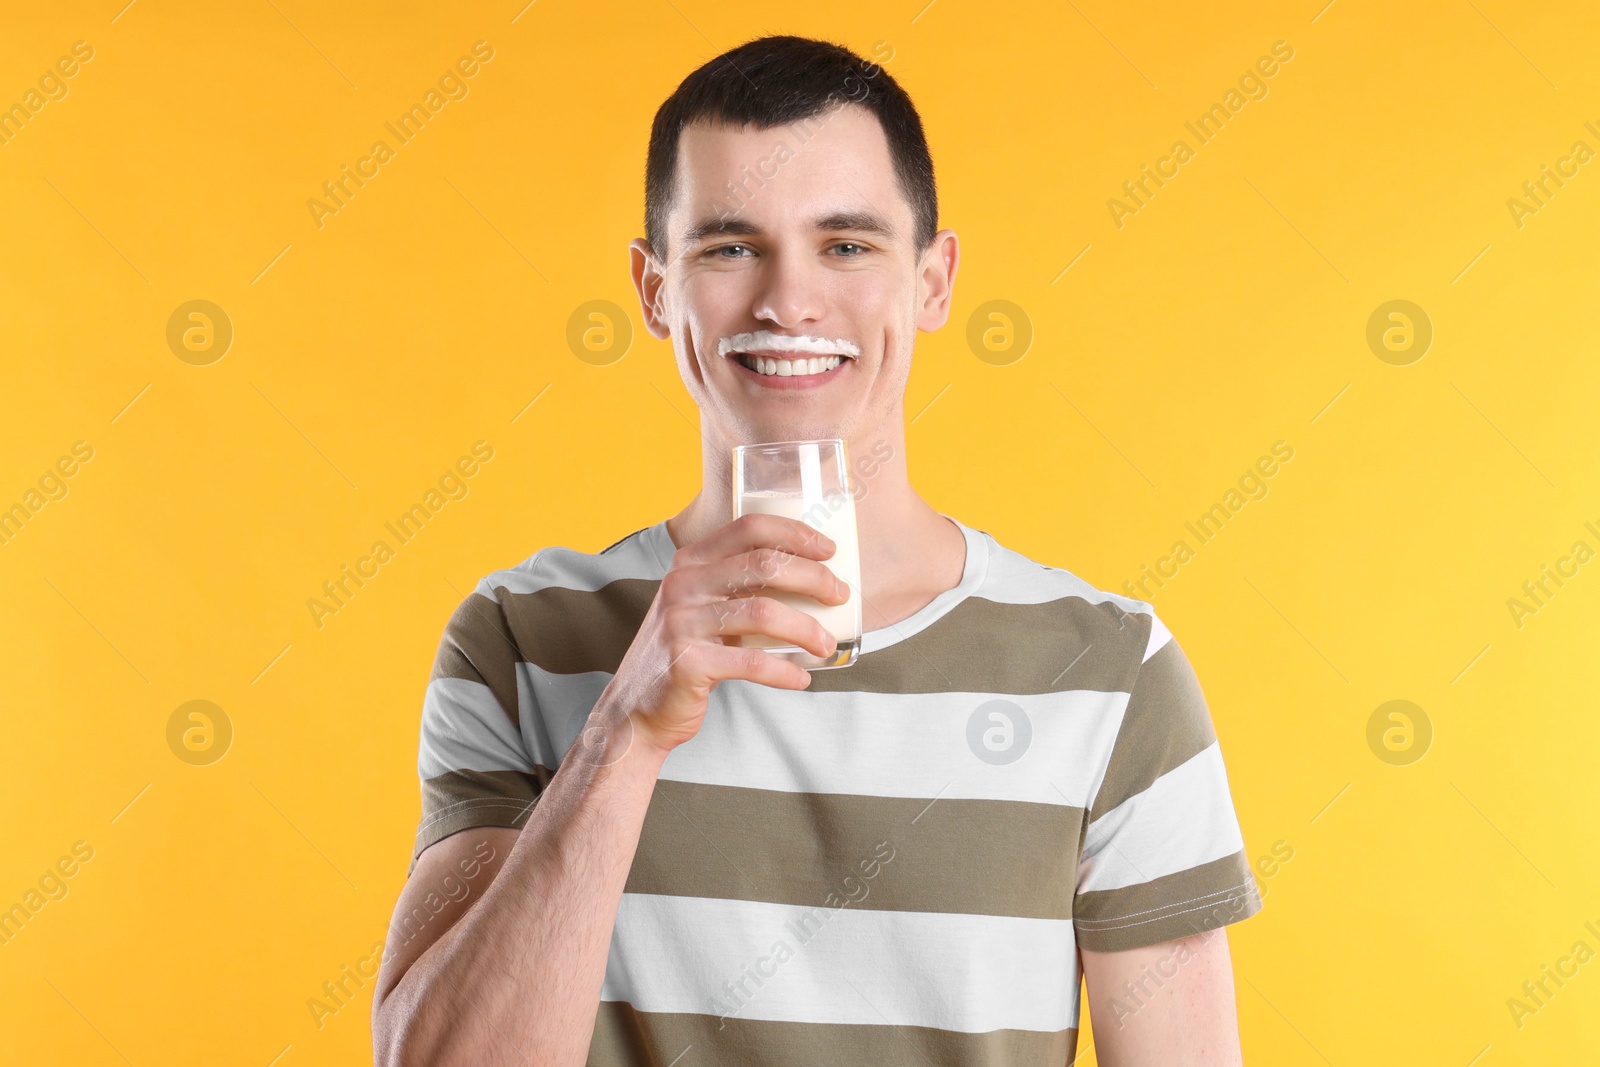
x,y
1184,819
980,857
637,562
478,646
1167,723
572,631
625,1037
464,728
1047,647
461,800
1205,897
985,647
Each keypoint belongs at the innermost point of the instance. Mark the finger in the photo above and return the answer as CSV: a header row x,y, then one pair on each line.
x,y
765,569
770,618
753,531
727,662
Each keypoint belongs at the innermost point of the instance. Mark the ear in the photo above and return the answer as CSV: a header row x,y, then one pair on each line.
x,y
648,276
936,280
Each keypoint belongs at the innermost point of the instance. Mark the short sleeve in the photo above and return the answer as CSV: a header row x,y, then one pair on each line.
x,y
473,763
1163,856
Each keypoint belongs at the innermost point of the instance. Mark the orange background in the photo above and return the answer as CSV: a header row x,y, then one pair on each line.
x,y
368,354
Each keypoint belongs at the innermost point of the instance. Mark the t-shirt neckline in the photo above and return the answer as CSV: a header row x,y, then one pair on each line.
x,y
973,571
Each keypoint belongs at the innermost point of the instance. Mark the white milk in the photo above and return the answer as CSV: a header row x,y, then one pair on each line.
x,y
835,516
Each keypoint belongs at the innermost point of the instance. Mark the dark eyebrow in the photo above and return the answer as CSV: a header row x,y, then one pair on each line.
x,y
853,221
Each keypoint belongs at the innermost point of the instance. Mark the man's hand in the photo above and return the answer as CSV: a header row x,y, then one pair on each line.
x,y
1170,1004
710,595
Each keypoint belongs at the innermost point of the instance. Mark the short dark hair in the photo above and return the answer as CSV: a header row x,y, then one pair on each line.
x,y
774,81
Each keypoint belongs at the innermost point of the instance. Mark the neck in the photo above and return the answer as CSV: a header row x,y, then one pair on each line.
x,y
909,552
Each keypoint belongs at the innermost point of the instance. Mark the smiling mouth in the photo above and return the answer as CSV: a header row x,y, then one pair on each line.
x,y
787,365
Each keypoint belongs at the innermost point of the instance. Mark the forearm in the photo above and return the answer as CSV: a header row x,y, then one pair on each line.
x,y
522,970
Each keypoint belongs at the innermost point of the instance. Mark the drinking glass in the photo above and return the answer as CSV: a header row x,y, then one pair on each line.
x,y
809,481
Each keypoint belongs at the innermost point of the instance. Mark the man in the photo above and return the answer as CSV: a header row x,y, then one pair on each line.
x,y
643,844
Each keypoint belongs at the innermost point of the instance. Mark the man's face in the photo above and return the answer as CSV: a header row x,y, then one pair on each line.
x,y
793,245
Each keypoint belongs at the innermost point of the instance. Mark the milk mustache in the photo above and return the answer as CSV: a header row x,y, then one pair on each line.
x,y
834,514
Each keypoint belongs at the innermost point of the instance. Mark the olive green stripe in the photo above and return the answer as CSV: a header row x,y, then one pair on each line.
x,y
981,857
982,646
462,800
575,631
1205,897
1167,724
979,646
626,1037
478,645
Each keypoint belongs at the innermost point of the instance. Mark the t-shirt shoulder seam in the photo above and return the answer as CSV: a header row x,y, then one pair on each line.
x,y
1111,751
1077,585
489,583
486,585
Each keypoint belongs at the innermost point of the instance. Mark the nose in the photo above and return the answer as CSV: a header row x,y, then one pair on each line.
x,y
788,292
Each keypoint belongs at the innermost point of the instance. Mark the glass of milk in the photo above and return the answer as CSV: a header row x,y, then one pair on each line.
x,y
809,481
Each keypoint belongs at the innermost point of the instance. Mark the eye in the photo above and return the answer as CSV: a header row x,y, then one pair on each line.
x,y
850,244
717,252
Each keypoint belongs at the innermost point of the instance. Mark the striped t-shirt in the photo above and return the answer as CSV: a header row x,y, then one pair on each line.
x,y
896,865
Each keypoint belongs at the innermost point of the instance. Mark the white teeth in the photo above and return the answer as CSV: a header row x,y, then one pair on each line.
x,y
785,368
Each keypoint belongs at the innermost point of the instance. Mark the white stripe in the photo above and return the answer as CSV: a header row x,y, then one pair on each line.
x,y
969,973
1184,819
896,745
1159,636
465,729
1015,579
756,737
567,568
555,707
878,744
